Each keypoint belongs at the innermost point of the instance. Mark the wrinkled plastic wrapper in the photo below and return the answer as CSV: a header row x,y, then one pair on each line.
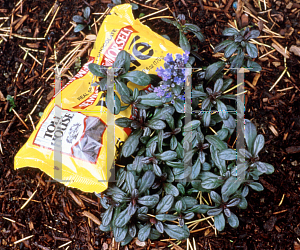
x,y
82,124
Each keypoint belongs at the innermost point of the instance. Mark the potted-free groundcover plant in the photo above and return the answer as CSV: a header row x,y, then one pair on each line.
x,y
156,188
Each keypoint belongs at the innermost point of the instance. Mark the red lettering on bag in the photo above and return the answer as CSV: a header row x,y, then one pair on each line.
x,y
117,45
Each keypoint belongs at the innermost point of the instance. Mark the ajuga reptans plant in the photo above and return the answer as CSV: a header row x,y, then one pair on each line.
x,y
156,188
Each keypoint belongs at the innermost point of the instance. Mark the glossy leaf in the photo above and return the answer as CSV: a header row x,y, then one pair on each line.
x,y
120,233
144,232
131,143
138,77
78,19
151,99
132,230
183,42
122,219
122,89
107,216
251,50
123,122
97,70
230,32
87,12
230,49
200,36
253,66
214,69
156,124
215,197
147,181
216,142
258,144
214,211
233,220
256,186
79,27
228,154
222,45
252,34
130,182
149,200
167,217
165,204
222,110
167,155
171,189
176,232
219,222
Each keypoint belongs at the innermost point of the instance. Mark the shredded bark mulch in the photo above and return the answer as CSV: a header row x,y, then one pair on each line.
x,y
57,217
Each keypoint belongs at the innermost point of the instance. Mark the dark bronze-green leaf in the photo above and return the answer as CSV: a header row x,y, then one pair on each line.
x,y
131,143
120,233
97,70
122,88
107,216
184,42
147,181
156,124
171,189
168,155
230,32
149,200
214,69
230,49
251,50
167,217
122,219
222,45
165,204
144,232
123,122
177,232
138,77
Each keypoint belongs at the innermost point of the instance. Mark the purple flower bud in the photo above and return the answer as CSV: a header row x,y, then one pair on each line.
x,y
185,56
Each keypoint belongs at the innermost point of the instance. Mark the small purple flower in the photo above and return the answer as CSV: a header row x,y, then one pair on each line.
x,y
160,71
178,80
181,97
168,95
159,92
169,58
178,57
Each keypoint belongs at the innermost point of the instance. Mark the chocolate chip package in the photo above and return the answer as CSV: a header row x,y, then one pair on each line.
x,y
82,124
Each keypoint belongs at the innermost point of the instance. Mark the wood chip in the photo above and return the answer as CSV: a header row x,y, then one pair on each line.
x,y
267,185
20,22
256,77
276,64
92,217
76,199
293,150
296,50
281,50
2,98
274,131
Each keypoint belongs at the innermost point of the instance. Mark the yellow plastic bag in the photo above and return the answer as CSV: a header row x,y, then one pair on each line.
x,y
81,125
